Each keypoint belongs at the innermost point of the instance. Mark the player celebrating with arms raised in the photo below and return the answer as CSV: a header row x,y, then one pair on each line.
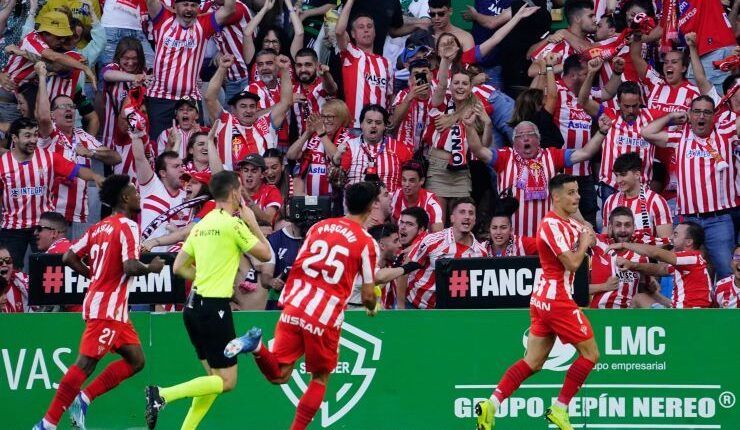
x,y
562,243
335,253
112,246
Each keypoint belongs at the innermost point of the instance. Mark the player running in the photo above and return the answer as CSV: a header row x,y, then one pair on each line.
x,y
336,251
562,243
112,246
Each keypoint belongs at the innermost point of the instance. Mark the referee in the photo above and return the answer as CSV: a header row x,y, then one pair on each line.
x,y
210,257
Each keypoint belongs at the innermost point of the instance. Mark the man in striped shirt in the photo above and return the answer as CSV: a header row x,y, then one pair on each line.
x,y
180,35
692,287
112,251
650,209
367,76
456,241
706,173
411,194
27,176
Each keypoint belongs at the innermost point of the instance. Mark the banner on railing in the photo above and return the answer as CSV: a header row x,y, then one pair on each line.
x,y
53,283
495,283
408,370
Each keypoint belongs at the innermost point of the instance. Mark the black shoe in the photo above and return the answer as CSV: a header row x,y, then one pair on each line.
x,y
154,404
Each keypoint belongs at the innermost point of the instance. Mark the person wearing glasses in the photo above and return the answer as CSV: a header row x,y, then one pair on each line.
x,y
526,168
58,132
705,171
440,11
13,285
50,233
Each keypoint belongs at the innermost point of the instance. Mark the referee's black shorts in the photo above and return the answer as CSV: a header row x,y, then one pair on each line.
x,y
210,325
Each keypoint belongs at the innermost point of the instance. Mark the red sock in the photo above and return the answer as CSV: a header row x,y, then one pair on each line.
x,y
68,389
308,405
108,379
512,379
267,363
574,378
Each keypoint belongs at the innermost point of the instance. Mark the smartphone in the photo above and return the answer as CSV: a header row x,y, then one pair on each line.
x,y
420,78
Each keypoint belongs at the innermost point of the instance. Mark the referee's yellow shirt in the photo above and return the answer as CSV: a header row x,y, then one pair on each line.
x,y
216,243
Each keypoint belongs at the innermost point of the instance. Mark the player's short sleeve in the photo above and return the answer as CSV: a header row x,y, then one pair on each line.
x,y
552,234
674,138
274,198
368,262
81,246
686,259
560,157
64,167
652,79
661,211
420,252
530,245
434,209
129,237
245,240
352,51
210,25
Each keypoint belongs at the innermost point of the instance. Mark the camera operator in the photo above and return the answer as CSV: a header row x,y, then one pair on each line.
x,y
285,244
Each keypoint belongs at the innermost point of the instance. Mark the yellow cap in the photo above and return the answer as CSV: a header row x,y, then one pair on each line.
x,y
56,23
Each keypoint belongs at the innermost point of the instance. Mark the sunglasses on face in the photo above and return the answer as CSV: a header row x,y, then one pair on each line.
x,y
437,14
6,260
40,228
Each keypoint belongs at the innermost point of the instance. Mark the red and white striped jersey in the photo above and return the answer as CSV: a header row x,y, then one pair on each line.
x,y
19,69
254,74
59,246
336,253
113,95
156,200
426,200
368,79
179,55
603,266
649,208
236,141
624,137
270,97
230,39
517,246
16,298
666,98
484,93
527,180
67,83
563,48
71,195
555,236
692,287
706,171
412,126
433,247
315,95
108,244
574,124
726,293
27,187
386,157
184,138
314,164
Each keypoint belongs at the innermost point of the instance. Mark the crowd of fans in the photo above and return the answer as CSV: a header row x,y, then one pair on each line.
x,y
461,131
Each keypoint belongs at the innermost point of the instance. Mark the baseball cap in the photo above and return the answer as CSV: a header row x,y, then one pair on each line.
x,y
419,40
244,95
253,159
54,22
187,100
202,177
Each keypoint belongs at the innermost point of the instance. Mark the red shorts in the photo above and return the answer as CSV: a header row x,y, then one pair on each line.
x,y
102,336
296,335
564,319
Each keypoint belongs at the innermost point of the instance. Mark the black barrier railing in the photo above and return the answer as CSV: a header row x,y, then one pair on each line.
x,y
494,283
53,283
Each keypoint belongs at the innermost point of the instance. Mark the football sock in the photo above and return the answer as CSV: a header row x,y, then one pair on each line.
x,y
512,379
198,409
68,389
308,405
115,373
267,363
574,378
197,387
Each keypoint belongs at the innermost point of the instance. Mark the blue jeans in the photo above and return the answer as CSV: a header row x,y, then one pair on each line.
x,y
503,109
113,35
719,240
715,76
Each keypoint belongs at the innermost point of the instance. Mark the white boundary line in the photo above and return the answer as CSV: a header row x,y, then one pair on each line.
x,y
667,386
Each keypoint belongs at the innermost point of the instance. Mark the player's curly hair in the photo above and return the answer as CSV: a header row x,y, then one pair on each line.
x,y
112,188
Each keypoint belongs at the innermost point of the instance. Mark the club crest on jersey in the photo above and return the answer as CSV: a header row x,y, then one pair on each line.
x,y
359,355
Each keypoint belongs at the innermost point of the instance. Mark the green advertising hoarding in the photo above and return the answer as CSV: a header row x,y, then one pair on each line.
x,y
408,370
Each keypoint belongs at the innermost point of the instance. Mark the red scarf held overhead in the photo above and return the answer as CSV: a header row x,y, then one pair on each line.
x,y
669,22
